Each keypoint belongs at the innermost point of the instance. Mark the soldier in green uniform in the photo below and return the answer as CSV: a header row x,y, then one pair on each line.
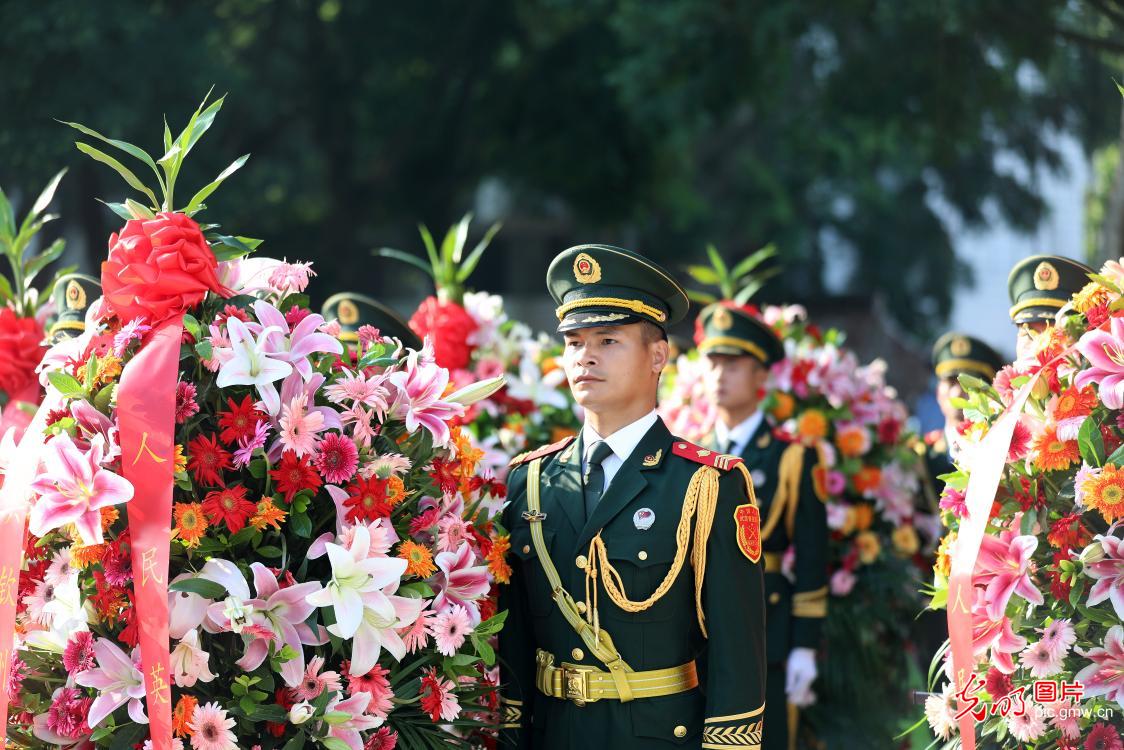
x,y
739,349
353,311
636,605
1039,286
955,354
73,294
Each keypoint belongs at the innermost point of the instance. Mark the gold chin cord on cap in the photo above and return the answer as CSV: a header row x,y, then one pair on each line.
x,y
634,305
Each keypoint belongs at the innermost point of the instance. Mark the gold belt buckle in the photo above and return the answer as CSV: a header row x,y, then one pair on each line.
x,y
575,685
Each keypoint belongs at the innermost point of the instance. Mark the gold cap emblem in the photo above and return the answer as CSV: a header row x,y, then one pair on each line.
x,y
1045,277
347,312
960,347
75,296
722,319
586,269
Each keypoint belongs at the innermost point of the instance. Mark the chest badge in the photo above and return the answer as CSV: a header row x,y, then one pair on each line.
x,y
764,440
748,521
653,459
643,519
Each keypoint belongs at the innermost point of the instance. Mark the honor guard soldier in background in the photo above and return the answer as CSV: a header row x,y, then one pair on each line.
x,y
740,349
353,311
1039,286
73,294
636,606
955,354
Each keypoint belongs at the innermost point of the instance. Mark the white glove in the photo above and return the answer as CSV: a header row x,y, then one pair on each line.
x,y
800,673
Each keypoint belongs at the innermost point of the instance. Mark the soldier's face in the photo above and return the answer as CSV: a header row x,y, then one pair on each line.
x,y
948,389
1026,343
735,382
613,368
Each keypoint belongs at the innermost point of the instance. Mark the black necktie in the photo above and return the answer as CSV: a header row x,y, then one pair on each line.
x,y
594,479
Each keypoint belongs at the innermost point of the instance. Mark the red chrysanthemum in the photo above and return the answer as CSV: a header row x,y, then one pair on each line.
x,y
446,475
1103,737
367,499
230,506
238,421
1069,533
78,656
449,326
207,459
294,474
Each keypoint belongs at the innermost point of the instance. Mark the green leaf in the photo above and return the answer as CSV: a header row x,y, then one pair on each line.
x,y
118,208
301,525
204,349
128,148
46,196
971,382
201,122
120,168
492,625
7,217
453,245
168,160
753,261
702,298
1117,457
703,274
473,259
139,210
484,650
269,551
197,199
417,590
103,398
389,252
1091,443
297,743
203,587
717,262
746,292
5,289
40,261
230,248
336,717
430,248
66,384
257,468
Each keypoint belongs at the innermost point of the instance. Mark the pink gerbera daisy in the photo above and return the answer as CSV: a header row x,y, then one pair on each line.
x,y
300,426
68,711
1103,737
1040,660
1058,637
247,445
338,458
78,656
210,729
374,684
384,739
1029,726
451,531
437,698
450,628
416,637
186,405
315,682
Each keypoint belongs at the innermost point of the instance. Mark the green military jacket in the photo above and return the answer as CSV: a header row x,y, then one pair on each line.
x,y
637,517
794,610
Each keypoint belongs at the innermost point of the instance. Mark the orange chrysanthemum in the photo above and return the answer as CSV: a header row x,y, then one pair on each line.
x,y
81,556
1074,402
180,460
1052,454
868,547
497,559
867,479
181,716
1105,492
109,514
864,516
812,426
852,441
191,523
395,490
268,515
419,560
783,406
943,565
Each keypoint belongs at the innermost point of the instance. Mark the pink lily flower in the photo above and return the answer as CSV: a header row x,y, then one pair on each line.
x,y
998,636
1105,676
74,488
279,612
1105,352
252,362
92,422
1109,573
294,346
418,399
118,680
358,720
460,582
1004,567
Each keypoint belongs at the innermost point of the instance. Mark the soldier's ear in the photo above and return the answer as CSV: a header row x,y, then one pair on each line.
x,y
660,352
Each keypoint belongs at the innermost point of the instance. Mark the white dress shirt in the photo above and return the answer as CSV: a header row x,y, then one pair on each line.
x,y
623,442
735,438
